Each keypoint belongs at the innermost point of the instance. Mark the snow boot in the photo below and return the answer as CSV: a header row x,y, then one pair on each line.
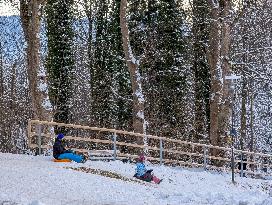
x,y
85,157
156,180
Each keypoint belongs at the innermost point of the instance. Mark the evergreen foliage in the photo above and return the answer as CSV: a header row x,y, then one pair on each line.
x,y
158,38
123,85
102,105
60,61
110,83
201,68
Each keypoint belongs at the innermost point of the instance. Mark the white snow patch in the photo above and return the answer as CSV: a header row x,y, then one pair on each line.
x,y
140,114
140,96
42,86
131,56
47,104
139,91
30,180
215,4
41,73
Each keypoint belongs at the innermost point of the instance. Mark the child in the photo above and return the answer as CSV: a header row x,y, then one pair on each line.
x,y
144,174
59,152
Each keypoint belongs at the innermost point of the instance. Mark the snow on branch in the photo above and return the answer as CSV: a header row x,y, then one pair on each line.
x,y
131,56
119,96
139,91
215,4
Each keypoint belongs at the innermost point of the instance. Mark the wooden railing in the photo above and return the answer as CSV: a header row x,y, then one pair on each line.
x,y
168,151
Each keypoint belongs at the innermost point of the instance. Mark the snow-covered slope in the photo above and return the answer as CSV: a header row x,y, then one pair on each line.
x,y
31,180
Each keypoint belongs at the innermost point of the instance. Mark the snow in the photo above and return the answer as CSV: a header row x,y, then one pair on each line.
x,y
140,114
139,91
47,104
6,8
131,56
42,87
215,4
36,180
232,77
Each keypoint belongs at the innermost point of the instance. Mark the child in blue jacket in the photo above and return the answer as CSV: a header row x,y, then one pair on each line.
x,y
59,152
144,174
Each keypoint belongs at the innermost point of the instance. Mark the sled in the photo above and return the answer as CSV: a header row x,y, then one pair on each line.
x,y
62,160
148,178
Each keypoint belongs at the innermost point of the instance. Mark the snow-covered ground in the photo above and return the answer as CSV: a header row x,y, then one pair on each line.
x,y
36,180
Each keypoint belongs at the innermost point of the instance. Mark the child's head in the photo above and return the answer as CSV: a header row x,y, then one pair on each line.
x,y
141,157
60,136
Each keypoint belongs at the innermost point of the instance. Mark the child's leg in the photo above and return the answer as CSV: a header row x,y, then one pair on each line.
x,y
71,156
156,180
147,177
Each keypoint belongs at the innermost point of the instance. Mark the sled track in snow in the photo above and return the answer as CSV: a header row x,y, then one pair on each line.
x,y
109,174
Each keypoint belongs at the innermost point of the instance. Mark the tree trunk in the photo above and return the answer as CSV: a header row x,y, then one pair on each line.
x,y
251,144
218,58
30,12
11,120
133,66
216,74
243,114
226,106
1,75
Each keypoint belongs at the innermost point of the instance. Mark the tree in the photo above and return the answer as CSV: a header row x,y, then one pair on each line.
x,y
201,69
122,86
31,15
60,61
15,103
139,123
103,107
250,57
218,58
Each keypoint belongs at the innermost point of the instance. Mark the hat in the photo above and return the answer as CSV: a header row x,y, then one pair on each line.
x,y
60,136
141,157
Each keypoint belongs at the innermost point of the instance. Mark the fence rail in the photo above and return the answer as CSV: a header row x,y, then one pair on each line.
x,y
258,161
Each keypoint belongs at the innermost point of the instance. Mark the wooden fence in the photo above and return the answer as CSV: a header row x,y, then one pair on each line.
x,y
161,149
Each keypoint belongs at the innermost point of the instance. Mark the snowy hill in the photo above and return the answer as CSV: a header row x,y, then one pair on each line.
x,y
36,180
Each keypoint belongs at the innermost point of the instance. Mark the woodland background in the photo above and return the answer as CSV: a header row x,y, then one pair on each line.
x,y
161,70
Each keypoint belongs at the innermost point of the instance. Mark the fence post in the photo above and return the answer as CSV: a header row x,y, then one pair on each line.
x,y
161,150
242,166
205,158
191,159
29,132
114,147
261,166
39,139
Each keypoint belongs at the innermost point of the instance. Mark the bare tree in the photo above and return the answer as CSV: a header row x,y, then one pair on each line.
x,y
218,57
136,79
31,14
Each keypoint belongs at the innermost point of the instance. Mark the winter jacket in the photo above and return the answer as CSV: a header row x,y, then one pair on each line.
x,y
140,169
58,148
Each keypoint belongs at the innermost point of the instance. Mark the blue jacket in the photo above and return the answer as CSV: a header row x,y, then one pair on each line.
x,y
140,169
58,148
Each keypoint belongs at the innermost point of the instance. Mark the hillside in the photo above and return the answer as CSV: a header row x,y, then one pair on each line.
x,y
34,180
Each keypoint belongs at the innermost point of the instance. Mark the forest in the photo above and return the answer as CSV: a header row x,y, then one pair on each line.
x,y
195,70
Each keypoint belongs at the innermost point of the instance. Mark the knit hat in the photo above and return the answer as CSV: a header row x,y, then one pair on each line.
x,y
60,136
141,157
